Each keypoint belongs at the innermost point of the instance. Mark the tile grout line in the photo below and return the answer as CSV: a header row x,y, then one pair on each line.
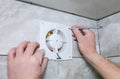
x,y
78,57
113,56
97,19
55,9
99,39
3,55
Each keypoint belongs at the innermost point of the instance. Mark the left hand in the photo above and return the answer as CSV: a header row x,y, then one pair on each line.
x,y
24,63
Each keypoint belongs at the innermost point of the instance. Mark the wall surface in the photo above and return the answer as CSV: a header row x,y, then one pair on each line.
x,y
20,21
109,38
95,9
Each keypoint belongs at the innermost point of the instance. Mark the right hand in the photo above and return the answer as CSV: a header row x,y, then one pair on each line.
x,y
86,40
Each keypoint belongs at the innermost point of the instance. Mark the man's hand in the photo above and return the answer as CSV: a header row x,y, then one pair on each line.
x,y
86,40
24,63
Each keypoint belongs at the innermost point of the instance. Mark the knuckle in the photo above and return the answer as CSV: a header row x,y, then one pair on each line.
x,y
35,43
24,42
19,47
77,33
11,50
34,60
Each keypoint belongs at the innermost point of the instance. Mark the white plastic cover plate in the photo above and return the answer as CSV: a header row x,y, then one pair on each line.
x,y
56,39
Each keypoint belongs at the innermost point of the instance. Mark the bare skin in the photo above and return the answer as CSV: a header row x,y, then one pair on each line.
x,y
87,46
24,63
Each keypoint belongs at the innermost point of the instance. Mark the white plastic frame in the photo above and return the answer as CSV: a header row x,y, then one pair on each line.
x,y
66,52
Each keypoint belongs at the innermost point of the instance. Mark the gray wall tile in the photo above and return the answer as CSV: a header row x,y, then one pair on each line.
x,y
110,40
20,21
108,20
67,19
3,67
76,68
109,37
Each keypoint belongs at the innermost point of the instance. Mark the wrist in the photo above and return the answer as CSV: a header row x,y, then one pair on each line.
x,y
91,56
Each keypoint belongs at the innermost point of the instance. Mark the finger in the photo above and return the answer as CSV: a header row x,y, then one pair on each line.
x,y
21,48
88,32
77,33
74,38
44,64
11,54
40,55
73,35
31,48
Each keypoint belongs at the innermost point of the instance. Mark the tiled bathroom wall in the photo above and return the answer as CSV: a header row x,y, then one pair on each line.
x,y
20,21
109,38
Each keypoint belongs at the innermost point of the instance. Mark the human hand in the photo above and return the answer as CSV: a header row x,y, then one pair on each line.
x,y
24,63
86,40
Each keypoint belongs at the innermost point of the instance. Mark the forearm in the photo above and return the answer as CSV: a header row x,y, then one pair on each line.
x,y
87,46
107,69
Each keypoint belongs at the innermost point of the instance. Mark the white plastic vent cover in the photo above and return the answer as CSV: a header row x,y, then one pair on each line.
x,y
56,39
